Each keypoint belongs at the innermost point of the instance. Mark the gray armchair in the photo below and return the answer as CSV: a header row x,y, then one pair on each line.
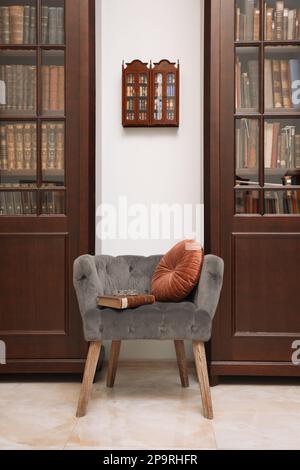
x,y
187,320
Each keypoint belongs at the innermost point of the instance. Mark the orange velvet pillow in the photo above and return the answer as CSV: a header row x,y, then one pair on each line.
x,y
178,272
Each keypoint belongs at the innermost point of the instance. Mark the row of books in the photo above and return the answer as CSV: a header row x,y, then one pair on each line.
x,y
53,89
282,202
18,147
247,84
247,144
247,20
25,203
19,88
282,23
247,202
52,25
17,24
281,84
282,146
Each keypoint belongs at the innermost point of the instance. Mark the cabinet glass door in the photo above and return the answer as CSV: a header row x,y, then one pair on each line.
x,y
158,96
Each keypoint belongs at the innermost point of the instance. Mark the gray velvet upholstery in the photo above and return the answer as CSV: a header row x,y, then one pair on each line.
x,y
188,320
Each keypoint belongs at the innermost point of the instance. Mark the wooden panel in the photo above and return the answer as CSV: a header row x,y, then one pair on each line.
x,y
33,284
265,282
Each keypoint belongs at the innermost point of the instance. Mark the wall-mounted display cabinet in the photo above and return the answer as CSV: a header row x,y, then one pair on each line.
x,y
46,188
150,95
253,166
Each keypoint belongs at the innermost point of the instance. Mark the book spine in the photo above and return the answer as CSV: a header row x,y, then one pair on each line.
x,y
44,145
32,88
249,13
19,87
53,88
45,24
46,88
32,29
238,24
26,25
256,32
297,151
277,84
60,146
14,88
269,24
285,23
51,128
279,12
5,25
25,88
19,148
33,147
286,91
61,89
27,147
3,149
2,87
16,14
52,25
10,139
8,81
254,85
60,35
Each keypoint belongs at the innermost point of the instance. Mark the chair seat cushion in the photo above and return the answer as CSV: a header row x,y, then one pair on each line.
x,y
178,272
159,321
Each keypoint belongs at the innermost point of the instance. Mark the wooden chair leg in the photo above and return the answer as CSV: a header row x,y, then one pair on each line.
x,y
113,363
201,366
181,361
88,377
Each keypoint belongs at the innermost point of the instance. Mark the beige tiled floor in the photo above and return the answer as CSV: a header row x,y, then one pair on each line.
x,y
148,409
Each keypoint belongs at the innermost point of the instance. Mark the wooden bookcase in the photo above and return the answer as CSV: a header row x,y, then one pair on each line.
x,y
252,148
46,178
150,95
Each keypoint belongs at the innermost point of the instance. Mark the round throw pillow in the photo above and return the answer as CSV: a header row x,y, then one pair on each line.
x,y
178,272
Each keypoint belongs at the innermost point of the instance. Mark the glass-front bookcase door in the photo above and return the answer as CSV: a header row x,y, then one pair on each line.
x,y
267,107
32,108
165,91
136,92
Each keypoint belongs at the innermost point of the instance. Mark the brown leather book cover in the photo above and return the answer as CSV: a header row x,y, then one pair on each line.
x,y
285,81
61,89
277,84
124,302
10,139
46,88
53,88
269,24
274,157
256,30
60,146
16,14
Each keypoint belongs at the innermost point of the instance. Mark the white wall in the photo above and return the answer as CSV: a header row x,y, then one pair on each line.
x,y
148,165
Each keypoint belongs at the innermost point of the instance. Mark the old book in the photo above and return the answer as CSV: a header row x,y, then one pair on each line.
x,y
279,12
274,154
45,88
291,32
269,104
60,26
285,84
61,89
285,23
19,146
51,134
53,88
60,146
268,144
27,147
277,89
26,207
3,149
238,96
32,28
253,144
14,88
25,88
26,24
249,13
32,88
2,204
124,302
238,24
2,88
33,147
9,203
9,88
246,102
52,25
5,25
44,146
254,83
297,151
19,87
269,24
16,14
10,139
17,201
45,24
256,26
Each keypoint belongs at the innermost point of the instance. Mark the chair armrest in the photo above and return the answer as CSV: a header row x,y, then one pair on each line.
x,y
86,283
210,285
